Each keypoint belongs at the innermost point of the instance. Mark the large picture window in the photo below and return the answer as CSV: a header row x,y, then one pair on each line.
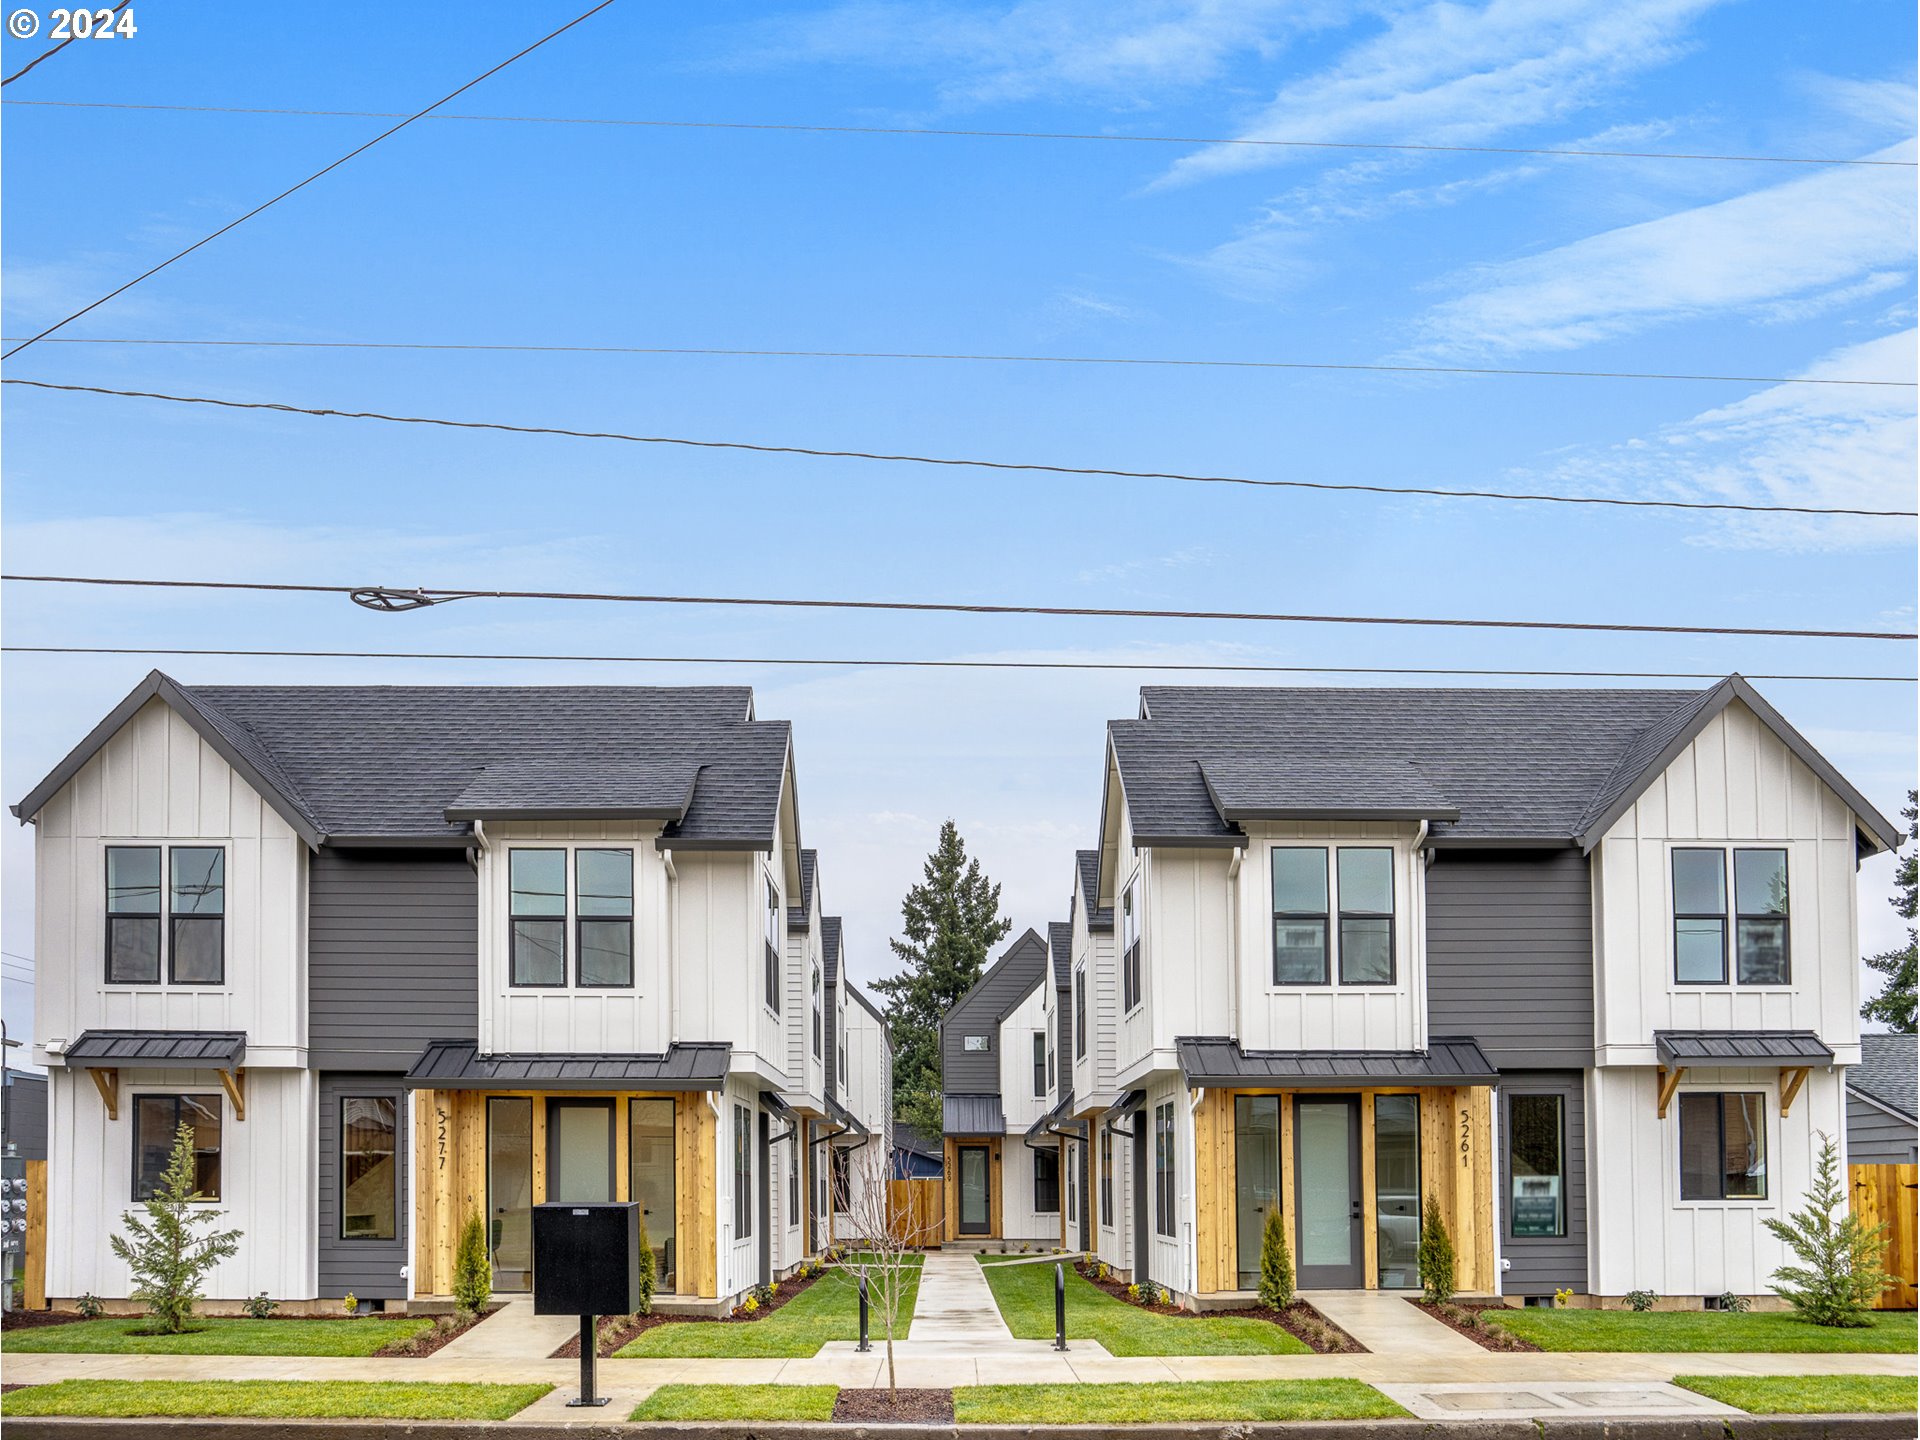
x,y
1723,1145
603,903
1130,949
1536,1166
1163,1173
369,1167
156,1120
1299,916
1046,1182
133,914
537,916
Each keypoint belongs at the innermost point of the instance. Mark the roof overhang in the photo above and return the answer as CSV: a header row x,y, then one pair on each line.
x,y
1219,1062
459,1065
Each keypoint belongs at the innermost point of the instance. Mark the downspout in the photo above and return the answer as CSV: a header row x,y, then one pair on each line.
x,y
1233,941
669,960
1417,927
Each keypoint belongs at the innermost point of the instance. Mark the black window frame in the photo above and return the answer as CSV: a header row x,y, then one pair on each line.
x,y
1346,914
1039,1064
742,1173
1130,986
1080,1013
1782,918
582,920
1325,916
1106,1178
1721,1097
840,1177
819,1023
514,918
1512,1131
1164,1173
340,1162
776,930
175,917
214,1101
156,917
1722,915
1046,1188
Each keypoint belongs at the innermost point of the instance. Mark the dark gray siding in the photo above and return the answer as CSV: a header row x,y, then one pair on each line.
x,y
1539,1266
1510,954
979,1012
368,1269
392,956
26,1115
1876,1136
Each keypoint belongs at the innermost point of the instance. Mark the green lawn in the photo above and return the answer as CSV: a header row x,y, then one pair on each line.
x,y
1809,1394
1672,1330
211,1336
1025,1296
273,1399
1166,1402
829,1309
738,1402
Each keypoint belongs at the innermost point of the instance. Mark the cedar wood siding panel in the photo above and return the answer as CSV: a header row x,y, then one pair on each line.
x,y
392,956
1510,954
367,1269
1875,1137
979,1011
1540,1265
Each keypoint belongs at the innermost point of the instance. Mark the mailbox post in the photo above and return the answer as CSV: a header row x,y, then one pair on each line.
x,y
586,1262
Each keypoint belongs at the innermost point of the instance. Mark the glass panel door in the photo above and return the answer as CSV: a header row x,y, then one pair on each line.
x,y
1256,1162
1396,1190
975,1196
580,1150
1327,1193
650,1160
510,1192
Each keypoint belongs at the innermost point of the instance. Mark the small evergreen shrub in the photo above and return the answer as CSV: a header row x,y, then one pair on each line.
x,y
167,1259
1641,1301
350,1303
1841,1271
1436,1254
1276,1263
259,1307
472,1268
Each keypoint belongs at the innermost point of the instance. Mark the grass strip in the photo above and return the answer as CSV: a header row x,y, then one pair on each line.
x,y
738,1402
829,1309
1171,1401
1716,1331
1809,1394
273,1399
213,1335
1024,1294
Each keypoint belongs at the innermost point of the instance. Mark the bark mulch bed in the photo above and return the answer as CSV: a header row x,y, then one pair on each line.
x,y
614,1332
446,1329
1301,1320
34,1319
1463,1316
899,1406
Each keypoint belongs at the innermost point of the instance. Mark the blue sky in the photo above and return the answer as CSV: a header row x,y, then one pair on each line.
x,y
486,232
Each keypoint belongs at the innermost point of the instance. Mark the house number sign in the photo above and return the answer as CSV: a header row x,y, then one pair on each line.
x,y
1466,1138
440,1136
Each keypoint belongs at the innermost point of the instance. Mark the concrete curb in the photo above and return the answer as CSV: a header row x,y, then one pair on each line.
x,y
1582,1427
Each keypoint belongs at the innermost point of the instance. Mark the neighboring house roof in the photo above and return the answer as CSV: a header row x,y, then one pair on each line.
x,y
1886,1073
858,996
1708,1047
1508,766
1060,943
1027,957
799,916
1219,1061
972,1115
414,763
458,1065
1087,866
905,1137
186,1049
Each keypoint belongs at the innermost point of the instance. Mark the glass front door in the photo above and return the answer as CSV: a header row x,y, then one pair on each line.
x,y
650,1161
1256,1184
579,1150
510,1192
976,1190
1328,1246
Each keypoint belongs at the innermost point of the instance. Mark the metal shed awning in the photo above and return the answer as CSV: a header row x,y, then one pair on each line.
x,y
458,1065
845,1118
1741,1047
1219,1062
1051,1123
134,1049
972,1115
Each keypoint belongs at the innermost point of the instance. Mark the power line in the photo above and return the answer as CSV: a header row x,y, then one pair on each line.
x,y
49,53
929,132
434,596
358,149
978,356
871,662
957,463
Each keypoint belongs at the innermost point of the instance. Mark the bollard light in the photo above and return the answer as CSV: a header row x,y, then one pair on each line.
x,y
1059,1305
863,1346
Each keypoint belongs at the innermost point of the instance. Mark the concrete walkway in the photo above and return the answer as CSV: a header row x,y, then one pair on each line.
x,y
955,1306
512,1335
1386,1324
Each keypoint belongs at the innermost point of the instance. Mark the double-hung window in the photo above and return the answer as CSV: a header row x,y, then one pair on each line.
x,y
1300,916
1308,895
776,933
1756,931
1039,1064
195,915
1723,1145
1163,1176
1080,1013
1130,947
537,917
603,903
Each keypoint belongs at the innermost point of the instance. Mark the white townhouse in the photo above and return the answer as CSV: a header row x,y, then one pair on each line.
x,y
863,1072
405,955
1579,967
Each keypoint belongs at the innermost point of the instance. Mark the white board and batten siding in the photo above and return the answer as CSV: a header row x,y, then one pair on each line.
x,y
1736,784
1094,968
156,782
1029,1018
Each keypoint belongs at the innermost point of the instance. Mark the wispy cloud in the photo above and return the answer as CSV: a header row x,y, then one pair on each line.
x,y
1180,559
1810,237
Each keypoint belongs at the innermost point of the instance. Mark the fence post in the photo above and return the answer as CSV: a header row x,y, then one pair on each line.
x,y
863,1346
1059,1305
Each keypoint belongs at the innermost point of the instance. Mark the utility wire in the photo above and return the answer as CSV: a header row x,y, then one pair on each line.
x,y
48,54
433,596
952,355
924,131
952,462
357,150
872,662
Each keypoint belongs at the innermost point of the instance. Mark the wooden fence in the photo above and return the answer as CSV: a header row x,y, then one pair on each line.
x,y
1886,1195
920,1205
35,1277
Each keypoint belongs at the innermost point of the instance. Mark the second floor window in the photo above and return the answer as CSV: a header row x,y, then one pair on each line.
x,y
195,914
1080,1014
1039,1064
538,913
603,896
1757,934
1130,949
816,1012
776,930
1305,938
537,917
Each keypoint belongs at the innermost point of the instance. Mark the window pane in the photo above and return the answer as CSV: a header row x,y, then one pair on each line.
x,y
1299,952
1366,950
369,1172
1700,951
539,952
1046,1181
1300,881
133,949
1699,882
197,949
1744,1129
199,880
1535,1164
1366,880
650,1161
604,879
606,951
1760,881
1763,952
156,1120
1699,1147
1396,1187
538,880
133,880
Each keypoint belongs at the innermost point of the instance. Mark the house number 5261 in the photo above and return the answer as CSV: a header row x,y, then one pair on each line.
x,y
92,24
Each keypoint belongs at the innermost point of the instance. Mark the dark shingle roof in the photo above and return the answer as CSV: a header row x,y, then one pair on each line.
x,y
905,1137
1060,942
188,1049
1219,1060
537,787
830,944
458,1065
1285,787
1886,1072
799,915
1087,864
1740,1047
972,1115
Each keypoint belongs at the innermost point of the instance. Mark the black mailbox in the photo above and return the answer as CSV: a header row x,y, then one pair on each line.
x,y
586,1259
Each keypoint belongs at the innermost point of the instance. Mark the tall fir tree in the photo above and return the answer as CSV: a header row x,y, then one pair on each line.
x,y
1893,1006
952,922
